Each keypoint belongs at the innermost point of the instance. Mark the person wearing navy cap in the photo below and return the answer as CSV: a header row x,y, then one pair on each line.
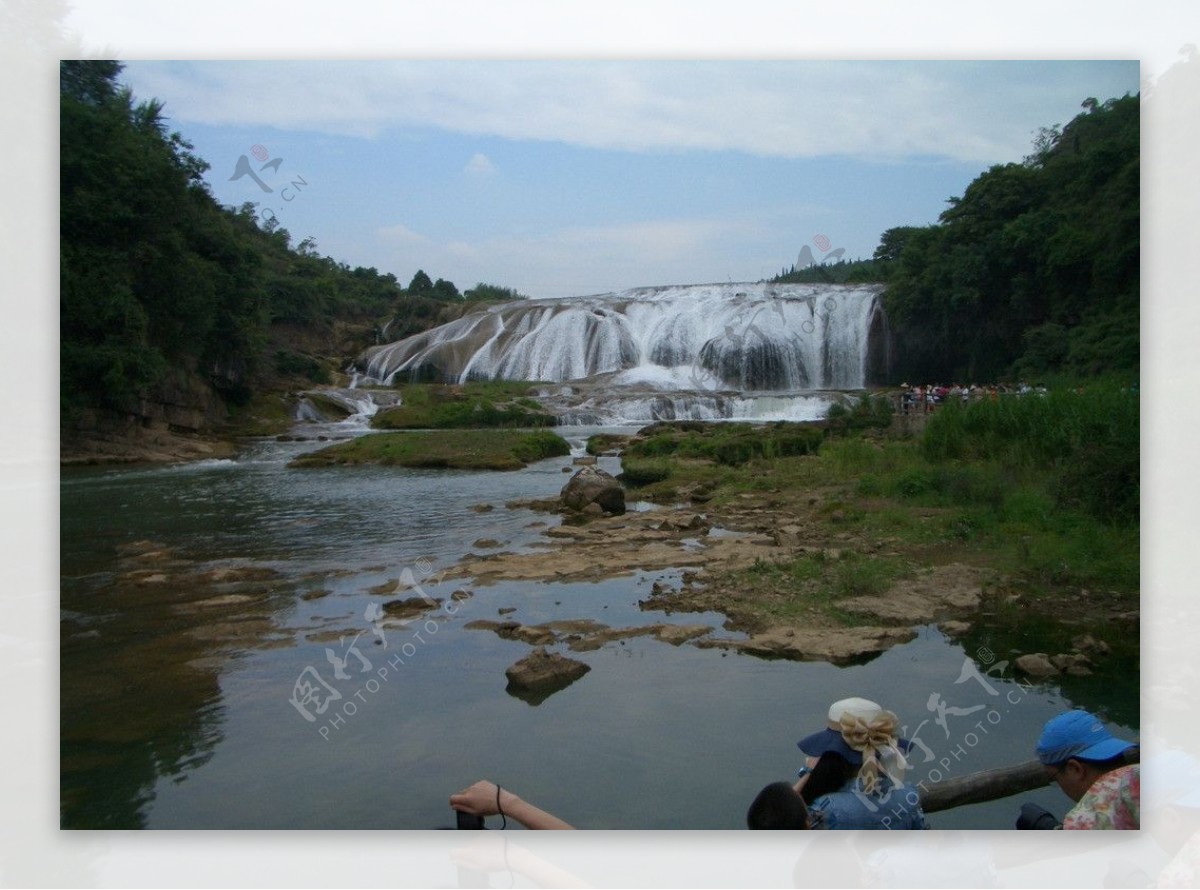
x,y
1088,763
854,774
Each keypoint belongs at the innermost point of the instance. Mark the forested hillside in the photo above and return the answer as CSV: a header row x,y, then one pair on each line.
x,y
1034,270
166,296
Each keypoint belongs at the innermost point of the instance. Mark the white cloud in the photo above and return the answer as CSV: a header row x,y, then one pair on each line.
x,y
580,260
479,165
973,111
399,234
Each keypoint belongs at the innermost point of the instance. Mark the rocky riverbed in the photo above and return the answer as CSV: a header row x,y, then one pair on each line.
x,y
707,546
739,558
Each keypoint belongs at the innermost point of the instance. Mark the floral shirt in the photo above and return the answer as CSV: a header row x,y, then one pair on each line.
x,y
1113,801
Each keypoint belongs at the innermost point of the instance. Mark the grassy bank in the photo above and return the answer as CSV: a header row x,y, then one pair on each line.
x,y
448,449
487,404
1040,493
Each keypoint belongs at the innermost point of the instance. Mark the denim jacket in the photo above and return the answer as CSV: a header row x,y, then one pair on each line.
x,y
892,807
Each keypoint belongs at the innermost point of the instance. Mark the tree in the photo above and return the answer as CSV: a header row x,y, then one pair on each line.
x,y
421,285
445,291
891,243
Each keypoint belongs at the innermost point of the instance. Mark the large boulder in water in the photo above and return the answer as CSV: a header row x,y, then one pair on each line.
x,y
592,485
540,674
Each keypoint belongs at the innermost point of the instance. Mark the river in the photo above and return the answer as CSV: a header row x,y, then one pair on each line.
x,y
198,602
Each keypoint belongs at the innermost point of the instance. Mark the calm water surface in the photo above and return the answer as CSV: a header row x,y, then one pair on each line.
x,y
197,600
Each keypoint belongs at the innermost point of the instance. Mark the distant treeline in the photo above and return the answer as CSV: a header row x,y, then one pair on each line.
x,y
158,278
839,272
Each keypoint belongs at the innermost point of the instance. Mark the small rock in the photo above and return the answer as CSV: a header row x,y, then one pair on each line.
x,y
541,670
1088,644
586,460
483,508
486,543
677,634
1036,664
507,610
954,628
1064,661
459,595
534,636
409,608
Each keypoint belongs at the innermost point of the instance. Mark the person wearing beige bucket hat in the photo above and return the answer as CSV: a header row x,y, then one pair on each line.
x,y
854,775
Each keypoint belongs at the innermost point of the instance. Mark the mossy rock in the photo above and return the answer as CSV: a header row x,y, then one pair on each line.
x,y
448,449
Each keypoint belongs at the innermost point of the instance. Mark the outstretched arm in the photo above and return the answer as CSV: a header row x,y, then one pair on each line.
x,y
487,799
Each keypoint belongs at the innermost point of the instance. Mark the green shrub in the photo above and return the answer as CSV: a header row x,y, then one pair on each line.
x,y
868,412
916,482
540,445
636,473
293,363
656,446
599,443
1090,440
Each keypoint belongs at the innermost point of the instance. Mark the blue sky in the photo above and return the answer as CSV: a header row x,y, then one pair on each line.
x,y
564,178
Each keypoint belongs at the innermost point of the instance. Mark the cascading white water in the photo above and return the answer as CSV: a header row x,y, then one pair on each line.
x,y
347,407
779,337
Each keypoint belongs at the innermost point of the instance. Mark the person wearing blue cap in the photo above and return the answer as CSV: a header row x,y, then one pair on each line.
x,y
854,775
1089,765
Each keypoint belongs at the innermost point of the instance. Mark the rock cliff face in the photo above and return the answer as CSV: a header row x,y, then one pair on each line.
x,y
171,423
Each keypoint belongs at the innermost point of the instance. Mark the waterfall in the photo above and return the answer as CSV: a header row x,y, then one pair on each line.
x,y
348,407
772,337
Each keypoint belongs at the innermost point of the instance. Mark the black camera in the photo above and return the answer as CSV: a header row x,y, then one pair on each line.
x,y
469,821
1036,818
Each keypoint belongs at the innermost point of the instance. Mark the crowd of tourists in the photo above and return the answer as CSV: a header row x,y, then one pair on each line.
x,y
854,777
925,398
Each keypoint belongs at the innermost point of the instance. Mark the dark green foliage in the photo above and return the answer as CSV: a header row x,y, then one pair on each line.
x,y
730,444
481,404
421,285
840,272
636,473
1087,441
540,445
491,293
292,363
152,271
868,412
445,291
461,415
599,443
1035,268
311,290
446,449
156,276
